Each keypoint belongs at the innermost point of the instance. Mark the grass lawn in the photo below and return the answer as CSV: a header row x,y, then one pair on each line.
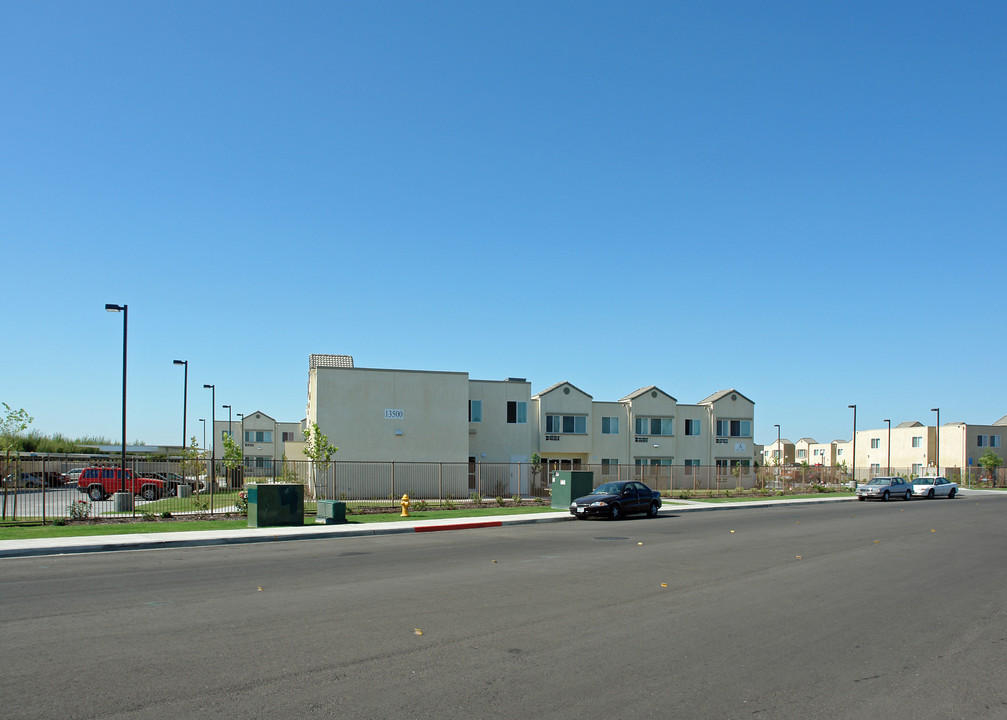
x,y
29,532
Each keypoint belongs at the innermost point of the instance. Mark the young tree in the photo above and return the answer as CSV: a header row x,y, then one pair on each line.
x,y
232,460
320,450
193,462
12,424
990,461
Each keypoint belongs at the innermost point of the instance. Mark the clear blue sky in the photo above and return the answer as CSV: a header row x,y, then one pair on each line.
x,y
804,201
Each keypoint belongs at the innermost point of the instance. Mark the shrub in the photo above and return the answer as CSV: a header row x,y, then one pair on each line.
x,y
166,514
242,502
420,505
148,516
449,504
78,510
59,522
500,501
516,500
476,498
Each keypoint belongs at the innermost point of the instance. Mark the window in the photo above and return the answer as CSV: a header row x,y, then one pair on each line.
x,y
475,410
610,426
691,467
692,427
994,441
722,467
776,454
655,426
980,440
875,468
988,440
802,453
917,441
839,451
260,436
876,443
609,466
287,436
517,412
567,424
917,468
734,428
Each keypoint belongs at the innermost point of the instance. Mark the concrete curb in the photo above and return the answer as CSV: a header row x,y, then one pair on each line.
x,y
155,541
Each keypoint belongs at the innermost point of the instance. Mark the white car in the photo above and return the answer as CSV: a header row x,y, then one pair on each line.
x,y
931,487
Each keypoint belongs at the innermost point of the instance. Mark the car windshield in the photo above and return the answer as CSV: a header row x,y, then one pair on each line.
x,y
878,481
924,481
608,489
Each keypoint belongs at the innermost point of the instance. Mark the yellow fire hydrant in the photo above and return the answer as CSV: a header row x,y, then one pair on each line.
x,y
404,502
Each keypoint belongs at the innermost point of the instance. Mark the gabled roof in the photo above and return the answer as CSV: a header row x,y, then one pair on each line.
x,y
558,385
723,393
644,390
910,424
1001,421
259,412
810,441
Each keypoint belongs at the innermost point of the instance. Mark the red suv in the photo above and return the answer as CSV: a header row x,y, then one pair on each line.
x,y
100,483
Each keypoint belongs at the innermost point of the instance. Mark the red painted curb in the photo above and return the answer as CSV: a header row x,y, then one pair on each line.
x,y
458,526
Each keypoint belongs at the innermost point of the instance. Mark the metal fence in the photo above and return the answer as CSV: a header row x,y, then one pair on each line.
x,y
46,487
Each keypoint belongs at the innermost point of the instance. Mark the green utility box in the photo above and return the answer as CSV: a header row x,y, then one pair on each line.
x,y
275,504
568,485
330,512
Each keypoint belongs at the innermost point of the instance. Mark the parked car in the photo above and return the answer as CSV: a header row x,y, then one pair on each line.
x,y
99,483
173,480
615,500
74,475
885,488
931,487
23,480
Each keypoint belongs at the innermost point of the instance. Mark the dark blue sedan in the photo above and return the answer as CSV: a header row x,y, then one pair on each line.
x,y
615,500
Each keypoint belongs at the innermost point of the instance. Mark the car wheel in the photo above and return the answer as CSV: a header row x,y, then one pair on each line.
x,y
930,494
95,493
861,498
885,496
952,493
149,492
652,510
615,513
909,494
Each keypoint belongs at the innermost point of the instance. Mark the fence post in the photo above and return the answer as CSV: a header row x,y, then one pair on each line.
x,y
392,496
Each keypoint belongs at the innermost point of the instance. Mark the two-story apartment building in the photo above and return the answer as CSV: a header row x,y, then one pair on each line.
x,y
436,416
261,437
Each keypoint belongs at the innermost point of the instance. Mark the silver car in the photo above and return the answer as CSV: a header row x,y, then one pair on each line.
x,y
884,488
931,487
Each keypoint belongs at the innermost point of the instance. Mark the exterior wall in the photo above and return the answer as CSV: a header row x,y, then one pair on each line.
x,y
493,439
693,447
647,447
563,400
398,415
904,455
802,450
823,454
253,447
784,447
734,406
611,446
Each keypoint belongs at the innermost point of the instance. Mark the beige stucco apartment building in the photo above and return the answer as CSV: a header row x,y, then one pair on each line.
x,y
434,416
262,438
909,448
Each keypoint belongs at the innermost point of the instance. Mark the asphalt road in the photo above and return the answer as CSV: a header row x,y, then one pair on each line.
x,y
849,610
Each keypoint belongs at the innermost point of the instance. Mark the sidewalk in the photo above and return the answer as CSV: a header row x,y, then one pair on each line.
x,y
204,538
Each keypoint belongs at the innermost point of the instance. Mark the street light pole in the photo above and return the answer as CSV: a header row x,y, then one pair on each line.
x,y
889,471
230,433
213,435
185,396
938,459
124,309
203,420
853,465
